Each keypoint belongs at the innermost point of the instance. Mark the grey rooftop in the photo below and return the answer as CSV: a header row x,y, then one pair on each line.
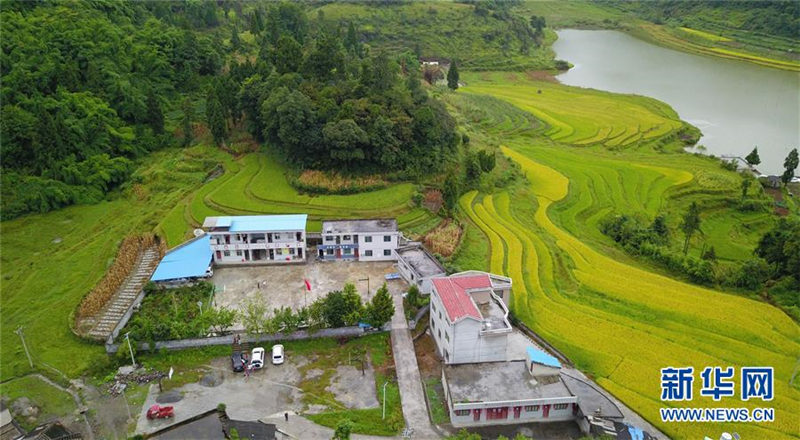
x,y
425,264
356,226
500,381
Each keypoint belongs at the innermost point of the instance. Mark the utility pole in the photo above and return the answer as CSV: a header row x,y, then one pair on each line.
x,y
367,280
130,348
24,345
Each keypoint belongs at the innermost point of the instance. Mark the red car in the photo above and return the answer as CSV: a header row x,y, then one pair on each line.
x,y
160,412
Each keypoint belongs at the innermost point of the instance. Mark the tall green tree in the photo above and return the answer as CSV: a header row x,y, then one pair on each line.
x,y
690,224
236,42
745,186
753,158
287,55
186,121
790,165
452,76
155,117
381,308
451,190
215,118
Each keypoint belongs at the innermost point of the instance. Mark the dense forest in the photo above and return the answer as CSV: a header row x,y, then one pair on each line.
x,y
778,18
83,88
87,85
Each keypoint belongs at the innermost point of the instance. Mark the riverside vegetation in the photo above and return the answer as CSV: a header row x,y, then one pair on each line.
x,y
564,161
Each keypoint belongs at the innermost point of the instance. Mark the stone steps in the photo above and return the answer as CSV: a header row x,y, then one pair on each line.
x,y
105,322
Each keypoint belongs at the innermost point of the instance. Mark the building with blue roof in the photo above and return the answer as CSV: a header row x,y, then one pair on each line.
x,y
539,357
190,260
257,239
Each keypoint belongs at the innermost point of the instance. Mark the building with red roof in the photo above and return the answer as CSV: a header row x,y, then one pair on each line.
x,y
469,317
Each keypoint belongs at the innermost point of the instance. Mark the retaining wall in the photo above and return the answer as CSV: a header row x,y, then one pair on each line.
x,y
341,332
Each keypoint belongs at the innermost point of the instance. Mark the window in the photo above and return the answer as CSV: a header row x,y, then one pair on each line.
x,y
346,237
433,326
329,238
530,408
227,253
387,238
387,252
440,314
238,253
367,253
347,251
560,406
329,251
276,236
447,336
462,412
367,239
440,334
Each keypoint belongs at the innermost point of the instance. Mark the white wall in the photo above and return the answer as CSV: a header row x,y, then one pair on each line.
x,y
287,244
377,246
463,342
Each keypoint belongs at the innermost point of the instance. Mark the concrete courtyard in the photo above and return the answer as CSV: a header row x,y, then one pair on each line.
x,y
282,285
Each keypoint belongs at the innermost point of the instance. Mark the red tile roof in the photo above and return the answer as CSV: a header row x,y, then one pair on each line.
x,y
453,293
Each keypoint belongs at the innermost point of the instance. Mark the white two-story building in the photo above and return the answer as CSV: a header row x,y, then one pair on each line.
x,y
469,317
362,240
257,239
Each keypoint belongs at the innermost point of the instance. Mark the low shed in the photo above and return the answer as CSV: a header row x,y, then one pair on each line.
x,y
186,262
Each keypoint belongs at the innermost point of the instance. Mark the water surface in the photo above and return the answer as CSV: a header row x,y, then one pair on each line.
x,y
737,105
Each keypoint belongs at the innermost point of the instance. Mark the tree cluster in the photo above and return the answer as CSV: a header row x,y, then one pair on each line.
x,y
768,17
338,308
325,102
82,94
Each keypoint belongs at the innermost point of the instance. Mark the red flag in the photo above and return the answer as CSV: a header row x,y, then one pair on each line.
x,y
308,285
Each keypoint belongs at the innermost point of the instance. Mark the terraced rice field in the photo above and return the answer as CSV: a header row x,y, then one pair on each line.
x,y
256,184
615,319
580,116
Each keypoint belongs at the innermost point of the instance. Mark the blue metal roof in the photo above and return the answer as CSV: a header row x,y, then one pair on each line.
x,y
543,358
245,223
190,259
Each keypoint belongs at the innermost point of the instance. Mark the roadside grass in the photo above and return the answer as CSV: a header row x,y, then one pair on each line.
x,y
438,410
52,402
584,295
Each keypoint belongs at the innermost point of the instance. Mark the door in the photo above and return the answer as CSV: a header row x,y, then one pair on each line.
x,y
338,253
545,411
476,415
517,411
356,252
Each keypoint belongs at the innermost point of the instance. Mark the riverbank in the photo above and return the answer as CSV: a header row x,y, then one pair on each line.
x,y
736,105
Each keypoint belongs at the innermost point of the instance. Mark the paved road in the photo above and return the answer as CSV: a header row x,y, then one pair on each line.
x,y
414,409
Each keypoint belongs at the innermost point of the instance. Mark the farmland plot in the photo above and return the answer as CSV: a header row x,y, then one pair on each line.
x,y
615,319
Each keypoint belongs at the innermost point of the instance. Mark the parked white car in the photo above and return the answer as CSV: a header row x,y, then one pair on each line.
x,y
277,354
257,358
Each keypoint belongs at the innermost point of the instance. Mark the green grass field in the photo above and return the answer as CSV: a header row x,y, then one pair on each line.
x,y
50,261
618,319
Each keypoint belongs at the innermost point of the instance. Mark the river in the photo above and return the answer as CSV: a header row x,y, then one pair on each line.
x,y
737,105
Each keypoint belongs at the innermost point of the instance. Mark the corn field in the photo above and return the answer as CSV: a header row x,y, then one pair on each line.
x,y
124,263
